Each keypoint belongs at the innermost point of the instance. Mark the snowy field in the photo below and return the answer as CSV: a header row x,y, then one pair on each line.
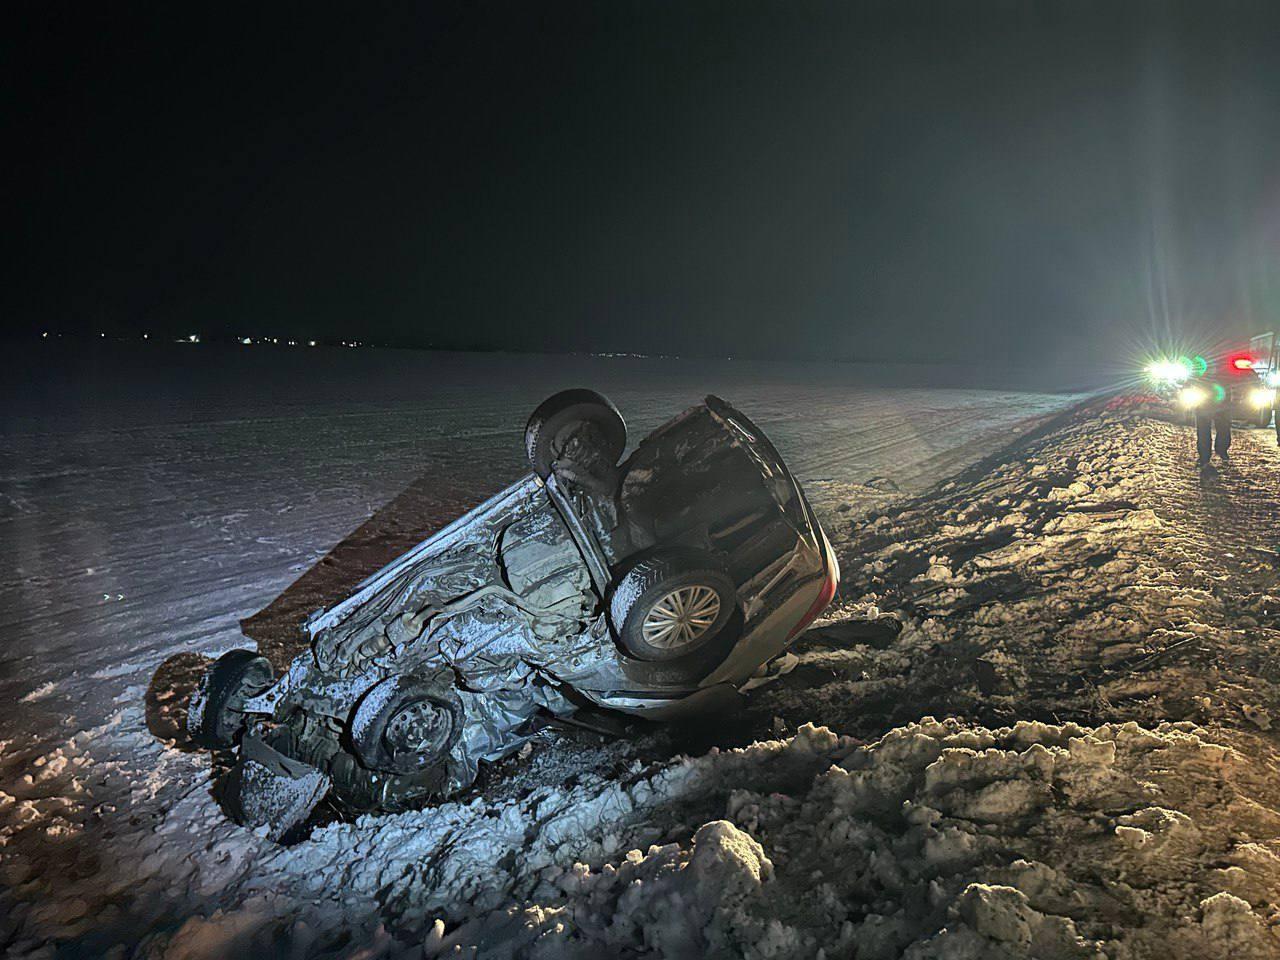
x,y
146,510
151,502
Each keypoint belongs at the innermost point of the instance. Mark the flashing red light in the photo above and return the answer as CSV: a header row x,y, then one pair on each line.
x,y
1239,361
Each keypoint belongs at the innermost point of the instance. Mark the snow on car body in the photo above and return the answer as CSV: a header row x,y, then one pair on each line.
x,y
652,587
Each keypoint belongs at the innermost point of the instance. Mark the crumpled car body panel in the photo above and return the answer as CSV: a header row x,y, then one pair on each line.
x,y
500,616
503,584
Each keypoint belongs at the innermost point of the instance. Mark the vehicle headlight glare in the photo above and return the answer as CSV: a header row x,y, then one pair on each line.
x,y
1169,371
1262,398
1192,397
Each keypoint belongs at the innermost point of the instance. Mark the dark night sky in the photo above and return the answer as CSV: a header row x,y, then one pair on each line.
x,y
979,182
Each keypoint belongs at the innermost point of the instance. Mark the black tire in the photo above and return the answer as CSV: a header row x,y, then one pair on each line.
x,y
215,716
380,716
645,591
561,416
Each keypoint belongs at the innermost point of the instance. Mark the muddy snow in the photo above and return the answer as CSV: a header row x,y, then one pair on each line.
x,y
1093,624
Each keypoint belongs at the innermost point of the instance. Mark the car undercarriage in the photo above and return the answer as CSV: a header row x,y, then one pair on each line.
x,y
646,587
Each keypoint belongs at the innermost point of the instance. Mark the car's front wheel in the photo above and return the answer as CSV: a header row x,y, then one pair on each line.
x,y
215,716
404,725
579,429
671,605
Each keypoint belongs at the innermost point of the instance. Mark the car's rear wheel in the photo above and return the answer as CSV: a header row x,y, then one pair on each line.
x,y
672,605
215,716
580,426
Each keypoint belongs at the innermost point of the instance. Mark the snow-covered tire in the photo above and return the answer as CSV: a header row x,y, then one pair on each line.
x,y
215,715
672,604
388,715
558,418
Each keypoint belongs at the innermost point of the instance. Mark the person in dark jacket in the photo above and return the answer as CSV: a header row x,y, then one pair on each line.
x,y
1216,395
1213,416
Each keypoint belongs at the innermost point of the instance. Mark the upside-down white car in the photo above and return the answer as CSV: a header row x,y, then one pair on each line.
x,y
651,587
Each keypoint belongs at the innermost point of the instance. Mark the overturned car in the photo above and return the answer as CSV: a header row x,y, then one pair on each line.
x,y
654,587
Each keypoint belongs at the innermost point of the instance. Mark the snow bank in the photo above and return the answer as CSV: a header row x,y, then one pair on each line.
x,y
1096,575
942,840
939,840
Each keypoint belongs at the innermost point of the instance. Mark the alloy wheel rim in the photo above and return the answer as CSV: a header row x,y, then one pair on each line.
x,y
681,617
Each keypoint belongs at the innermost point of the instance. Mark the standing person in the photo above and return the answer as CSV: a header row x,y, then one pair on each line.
x,y
1213,415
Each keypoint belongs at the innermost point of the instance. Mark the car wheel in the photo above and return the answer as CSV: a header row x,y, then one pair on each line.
x,y
400,726
215,716
671,605
566,421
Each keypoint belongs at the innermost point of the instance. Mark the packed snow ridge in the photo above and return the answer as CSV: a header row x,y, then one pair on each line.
x,y
1097,620
938,840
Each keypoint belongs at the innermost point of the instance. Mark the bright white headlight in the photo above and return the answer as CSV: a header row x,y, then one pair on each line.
x,y
1170,371
1191,397
1262,397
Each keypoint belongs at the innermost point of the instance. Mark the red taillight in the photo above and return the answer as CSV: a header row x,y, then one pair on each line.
x,y
1242,363
824,597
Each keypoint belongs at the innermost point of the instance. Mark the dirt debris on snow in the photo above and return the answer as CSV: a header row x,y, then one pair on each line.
x,y
1098,622
1095,576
